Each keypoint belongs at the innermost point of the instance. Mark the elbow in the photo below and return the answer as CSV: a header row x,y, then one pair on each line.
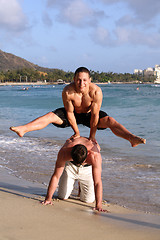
x,y
98,185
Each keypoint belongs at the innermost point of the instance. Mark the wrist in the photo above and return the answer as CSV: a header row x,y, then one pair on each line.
x,y
77,133
47,198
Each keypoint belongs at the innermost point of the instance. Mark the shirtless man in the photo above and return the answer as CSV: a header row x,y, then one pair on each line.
x,y
79,159
82,101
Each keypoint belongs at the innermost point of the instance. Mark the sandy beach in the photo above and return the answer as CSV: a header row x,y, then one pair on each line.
x,y
24,217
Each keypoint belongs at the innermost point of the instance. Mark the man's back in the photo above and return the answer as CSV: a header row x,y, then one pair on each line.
x,y
92,147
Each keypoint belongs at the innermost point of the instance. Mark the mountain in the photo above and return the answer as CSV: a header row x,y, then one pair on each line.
x,y
9,61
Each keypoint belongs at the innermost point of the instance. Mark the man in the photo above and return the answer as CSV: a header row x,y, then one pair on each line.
x,y
79,159
82,101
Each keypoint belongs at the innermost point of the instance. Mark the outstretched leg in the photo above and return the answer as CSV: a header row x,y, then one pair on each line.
x,y
37,124
120,131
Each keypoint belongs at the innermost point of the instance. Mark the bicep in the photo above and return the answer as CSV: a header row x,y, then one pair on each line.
x,y
96,175
97,168
97,102
60,164
67,102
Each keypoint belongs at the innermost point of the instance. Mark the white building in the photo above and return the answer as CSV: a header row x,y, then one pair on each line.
x,y
157,73
138,71
150,71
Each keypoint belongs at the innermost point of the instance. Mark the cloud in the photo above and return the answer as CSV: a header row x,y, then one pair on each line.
x,y
137,37
12,17
123,35
47,20
143,10
134,25
102,37
77,13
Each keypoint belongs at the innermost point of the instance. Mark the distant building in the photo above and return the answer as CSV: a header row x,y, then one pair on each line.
x,y
60,81
157,73
138,71
150,72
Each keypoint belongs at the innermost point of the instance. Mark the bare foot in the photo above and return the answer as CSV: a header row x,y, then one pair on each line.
x,y
135,141
17,130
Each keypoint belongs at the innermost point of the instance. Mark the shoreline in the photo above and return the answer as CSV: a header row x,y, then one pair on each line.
x,y
24,217
55,83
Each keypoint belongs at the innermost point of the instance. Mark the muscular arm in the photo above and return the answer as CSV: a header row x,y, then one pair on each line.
x,y
95,108
70,113
55,177
96,171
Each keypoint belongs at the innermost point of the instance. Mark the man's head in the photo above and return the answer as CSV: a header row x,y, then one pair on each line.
x,y
82,69
79,154
82,79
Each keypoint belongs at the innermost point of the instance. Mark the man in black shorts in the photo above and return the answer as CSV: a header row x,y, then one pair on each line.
x,y
81,118
82,101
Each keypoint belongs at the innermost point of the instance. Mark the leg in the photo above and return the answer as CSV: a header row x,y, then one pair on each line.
x,y
79,190
87,193
37,124
120,131
66,184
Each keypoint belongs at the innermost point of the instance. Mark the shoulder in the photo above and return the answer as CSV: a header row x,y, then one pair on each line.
x,y
80,140
95,90
68,91
95,87
95,159
69,88
64,154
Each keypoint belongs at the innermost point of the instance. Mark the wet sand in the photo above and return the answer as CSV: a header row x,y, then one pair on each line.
x,y
24,217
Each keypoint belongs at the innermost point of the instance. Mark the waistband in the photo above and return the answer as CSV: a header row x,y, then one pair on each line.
x,y
86,165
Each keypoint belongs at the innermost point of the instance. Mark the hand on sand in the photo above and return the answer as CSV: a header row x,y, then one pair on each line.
x,y
100,209
47,202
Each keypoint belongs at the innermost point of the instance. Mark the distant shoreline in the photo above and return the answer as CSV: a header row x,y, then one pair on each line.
x,y
55,83
25,83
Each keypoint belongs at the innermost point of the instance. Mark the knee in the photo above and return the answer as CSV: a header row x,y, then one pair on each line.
x,y
50,116
61,198
110,121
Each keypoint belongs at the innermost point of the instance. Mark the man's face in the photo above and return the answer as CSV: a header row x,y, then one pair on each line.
x,y
82,81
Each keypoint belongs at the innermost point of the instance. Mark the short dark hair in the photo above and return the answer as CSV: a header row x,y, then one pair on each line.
x,y
82,69
79,154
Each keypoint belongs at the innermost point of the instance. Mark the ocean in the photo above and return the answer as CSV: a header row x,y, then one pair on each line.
x,y
131,176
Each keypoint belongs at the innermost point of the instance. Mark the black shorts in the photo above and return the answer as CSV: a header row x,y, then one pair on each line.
x,y
81,118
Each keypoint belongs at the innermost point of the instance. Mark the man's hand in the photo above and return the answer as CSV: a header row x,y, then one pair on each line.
x,y
47,202
99,209
93,140
74,136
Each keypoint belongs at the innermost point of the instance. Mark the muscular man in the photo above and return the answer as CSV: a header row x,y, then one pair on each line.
x,y
82,101
79,159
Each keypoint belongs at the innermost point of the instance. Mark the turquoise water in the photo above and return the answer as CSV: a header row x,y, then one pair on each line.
x,y
131,176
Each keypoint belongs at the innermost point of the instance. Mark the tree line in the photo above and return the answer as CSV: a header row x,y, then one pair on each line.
x,y
51,76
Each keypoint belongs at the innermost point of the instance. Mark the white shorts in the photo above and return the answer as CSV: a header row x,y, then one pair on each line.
x,y
83,175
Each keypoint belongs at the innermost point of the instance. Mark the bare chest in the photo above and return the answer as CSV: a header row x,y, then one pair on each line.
x,y
82,103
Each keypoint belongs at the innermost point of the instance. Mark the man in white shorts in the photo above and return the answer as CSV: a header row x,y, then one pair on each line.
x,y
79,159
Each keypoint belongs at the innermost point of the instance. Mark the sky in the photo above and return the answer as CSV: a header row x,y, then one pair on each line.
x,y
103,35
